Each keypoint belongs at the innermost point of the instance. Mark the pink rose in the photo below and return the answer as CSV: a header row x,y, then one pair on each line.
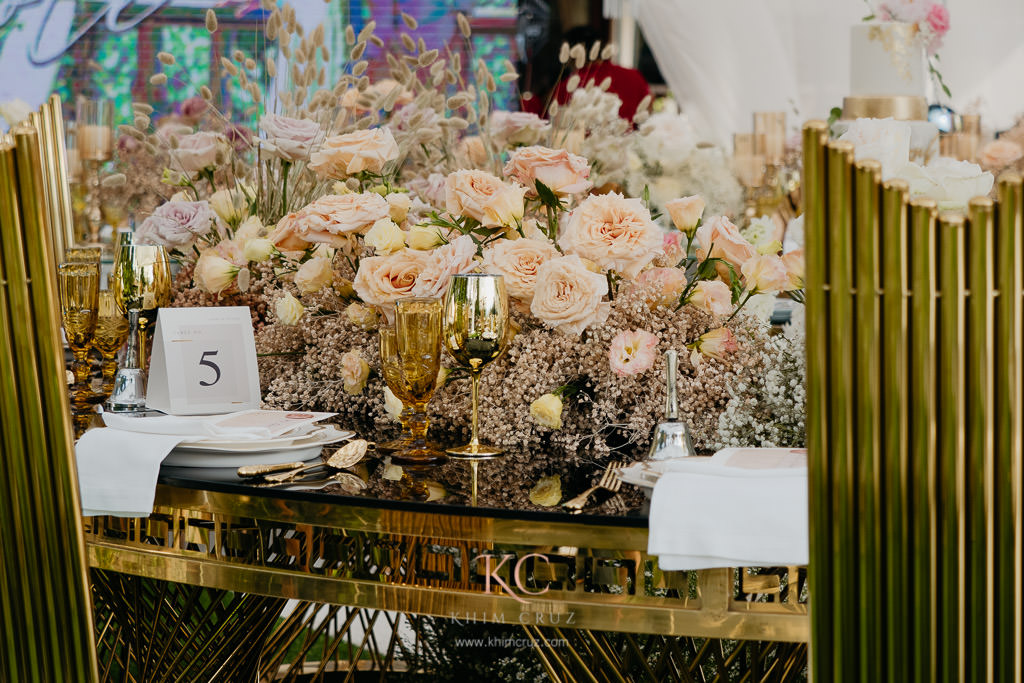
x,y
765,273
285,236
381,280
568,296
999,154
239,137
685,212
672,245
289,139
199,151
193,109
632,352
454,258
716,343
661,286
517,128
176,224
711,296
563,172
938,19
484,197
518,261
614,232
795,273
725,242
342,156
332,218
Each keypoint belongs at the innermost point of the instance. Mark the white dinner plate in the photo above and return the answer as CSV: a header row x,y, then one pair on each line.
x,y
324,435
185,458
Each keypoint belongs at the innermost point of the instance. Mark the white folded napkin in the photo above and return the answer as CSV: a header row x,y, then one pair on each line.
x,y
245,425
732,510
117,470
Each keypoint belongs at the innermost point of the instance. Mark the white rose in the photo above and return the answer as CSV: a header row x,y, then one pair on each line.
x,y
314,275
613,232
949,182
398,205
288,138
385,237
423,237
289,309
393,405
199,151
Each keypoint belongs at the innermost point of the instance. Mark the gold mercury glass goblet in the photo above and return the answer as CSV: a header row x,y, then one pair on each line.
x,y
79,303
111,333
83,254
475,324
141,282
410,361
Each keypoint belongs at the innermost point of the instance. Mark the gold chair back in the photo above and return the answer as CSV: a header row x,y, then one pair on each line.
x,y
914,378
46,630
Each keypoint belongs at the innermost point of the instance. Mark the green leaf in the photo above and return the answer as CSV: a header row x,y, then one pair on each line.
x,y
547,197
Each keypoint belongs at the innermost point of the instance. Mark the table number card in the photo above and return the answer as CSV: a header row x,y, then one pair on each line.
x,y
203,362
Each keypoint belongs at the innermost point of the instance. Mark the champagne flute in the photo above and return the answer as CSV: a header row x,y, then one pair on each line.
x,y
475,332
410,361
111,333
141,282
94,142
389,370
79,304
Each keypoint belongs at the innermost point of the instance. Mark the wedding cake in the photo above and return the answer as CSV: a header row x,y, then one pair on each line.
x,y
887,72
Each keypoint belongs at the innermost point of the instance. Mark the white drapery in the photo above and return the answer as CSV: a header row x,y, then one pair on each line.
x,y
725,59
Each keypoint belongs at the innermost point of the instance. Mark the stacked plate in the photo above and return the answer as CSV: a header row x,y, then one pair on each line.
x,y
304,445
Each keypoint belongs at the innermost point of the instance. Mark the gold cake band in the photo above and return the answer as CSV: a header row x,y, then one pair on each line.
x,y
899,107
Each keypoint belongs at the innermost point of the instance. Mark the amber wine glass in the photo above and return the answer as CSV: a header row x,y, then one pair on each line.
x,y
79,304
410,361
111,334
475,325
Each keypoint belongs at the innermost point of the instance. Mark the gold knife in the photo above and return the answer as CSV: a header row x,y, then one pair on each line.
x,y
260,470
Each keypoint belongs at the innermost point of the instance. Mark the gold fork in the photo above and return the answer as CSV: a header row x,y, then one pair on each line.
x,y
608,481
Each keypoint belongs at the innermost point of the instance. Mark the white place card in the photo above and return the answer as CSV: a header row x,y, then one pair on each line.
x,y
203,362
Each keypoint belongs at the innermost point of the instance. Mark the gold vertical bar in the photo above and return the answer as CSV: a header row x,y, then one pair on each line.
x,y
893,395
46,196
952,422
867,431
921,435
841,413
1009,423
53,114
815,135
979,572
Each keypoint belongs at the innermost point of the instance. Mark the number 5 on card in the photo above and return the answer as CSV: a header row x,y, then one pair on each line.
x,y
203,362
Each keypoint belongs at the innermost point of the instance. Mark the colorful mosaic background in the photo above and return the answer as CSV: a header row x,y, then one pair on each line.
x,y
117,65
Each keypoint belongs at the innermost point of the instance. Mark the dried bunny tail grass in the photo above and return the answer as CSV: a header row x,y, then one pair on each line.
x,y
357,52
573,83
367,31
273,26
595,51
579,54
229,67
158,79
142,108
407,42
563,53
250,63
211,21
377,40
238,56
427,58
271,67
464,26
411,23
605,84
350,34
609,51
360,67
166,58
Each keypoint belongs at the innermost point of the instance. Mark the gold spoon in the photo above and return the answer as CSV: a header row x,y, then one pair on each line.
x,y
346,456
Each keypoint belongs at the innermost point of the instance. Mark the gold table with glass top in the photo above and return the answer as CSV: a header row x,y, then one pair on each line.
x,y
581,589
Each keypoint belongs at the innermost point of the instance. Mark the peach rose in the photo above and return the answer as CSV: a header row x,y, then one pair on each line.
x,y
517,127
471,149
725,242
765,273
330,219
632,352
562,171
382,279
795,273
314,275
342,156
517,261
452,259
354,372
480,195
661,286
711,296
614,232
1000,153
568,296
285,236
685,212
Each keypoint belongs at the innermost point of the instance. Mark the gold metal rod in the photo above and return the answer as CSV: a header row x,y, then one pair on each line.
x,y
921,436
951,422
979,472
1009,422
48,158
893,394
815,135
867,426
842,387
53,114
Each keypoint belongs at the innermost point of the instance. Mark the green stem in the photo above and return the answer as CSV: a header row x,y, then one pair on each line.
x,y
285,167
742,304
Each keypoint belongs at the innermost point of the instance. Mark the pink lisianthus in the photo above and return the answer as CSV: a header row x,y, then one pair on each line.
x,y
717,343
632,352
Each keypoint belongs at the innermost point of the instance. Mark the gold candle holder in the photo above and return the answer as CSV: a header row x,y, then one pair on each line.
x,y
94,141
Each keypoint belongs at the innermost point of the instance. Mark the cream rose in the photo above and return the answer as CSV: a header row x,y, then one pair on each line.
x,y
314,275
661,286
288,138
764,274
423,237
385,237
286,235
480,195
517,261
568,296
614,232
472,151
561,171
685,212
250,227
330,219
398,205
509,128
199,151
725,242
258,249
346,155
452,259
214,274
289,310
711,296
361,316
547,411
382,279
795,270
1000,153
393,405
354,372
231,206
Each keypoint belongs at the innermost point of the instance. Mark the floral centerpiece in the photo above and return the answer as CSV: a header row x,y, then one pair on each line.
x,y
361,193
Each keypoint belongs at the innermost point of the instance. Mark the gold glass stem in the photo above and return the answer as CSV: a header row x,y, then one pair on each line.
x,y
108,369
474,466
80,366
475,440
93,211
418,423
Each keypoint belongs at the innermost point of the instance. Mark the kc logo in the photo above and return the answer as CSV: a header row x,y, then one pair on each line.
x,y
491,573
